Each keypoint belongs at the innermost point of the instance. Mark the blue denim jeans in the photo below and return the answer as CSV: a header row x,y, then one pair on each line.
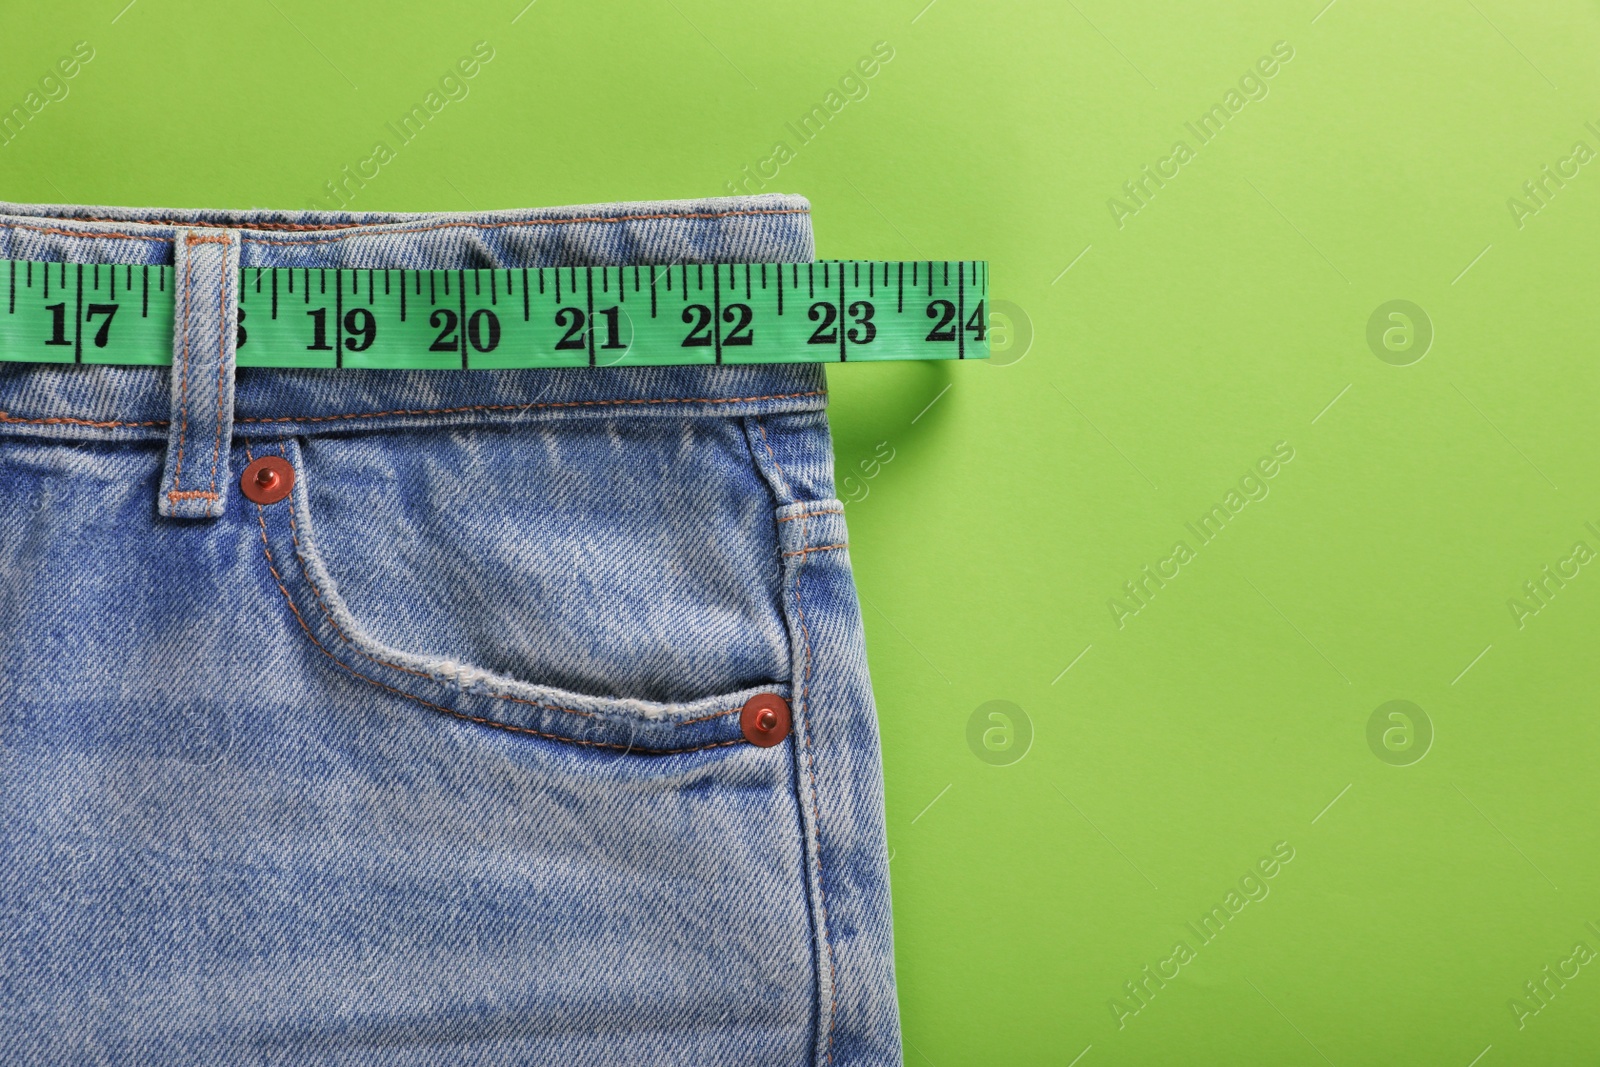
x,y
438,760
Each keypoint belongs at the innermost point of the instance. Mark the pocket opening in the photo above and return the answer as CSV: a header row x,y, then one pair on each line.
x,y
290,539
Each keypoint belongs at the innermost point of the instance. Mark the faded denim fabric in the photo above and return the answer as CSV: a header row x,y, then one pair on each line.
x,y
438,761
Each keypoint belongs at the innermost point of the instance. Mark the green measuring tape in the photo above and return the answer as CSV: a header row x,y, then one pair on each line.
x,y
494,318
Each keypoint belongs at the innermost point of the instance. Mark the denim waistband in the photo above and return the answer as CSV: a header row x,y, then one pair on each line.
x,y
119,402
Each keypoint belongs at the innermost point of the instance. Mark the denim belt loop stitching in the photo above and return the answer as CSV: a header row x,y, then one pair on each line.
x,y
194,481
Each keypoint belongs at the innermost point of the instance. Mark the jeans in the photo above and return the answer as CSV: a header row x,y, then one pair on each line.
x,y
440,758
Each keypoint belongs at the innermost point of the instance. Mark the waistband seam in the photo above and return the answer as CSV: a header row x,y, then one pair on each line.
x,y
7,417
621,402
377,229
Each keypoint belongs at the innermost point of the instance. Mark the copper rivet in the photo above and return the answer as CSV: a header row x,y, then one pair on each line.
x,y
267,480
764,719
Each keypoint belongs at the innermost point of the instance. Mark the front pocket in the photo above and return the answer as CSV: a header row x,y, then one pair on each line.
x,y
608,582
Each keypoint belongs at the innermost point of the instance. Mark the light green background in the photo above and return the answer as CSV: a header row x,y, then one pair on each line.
x,y
1228,314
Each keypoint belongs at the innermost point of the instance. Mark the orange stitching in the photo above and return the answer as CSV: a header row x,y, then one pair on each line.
x,y
77,233
191,494
819,548
787,488
222,360
371,225
547,404
808,514
183,428
278,578
196,239
816,811
4,417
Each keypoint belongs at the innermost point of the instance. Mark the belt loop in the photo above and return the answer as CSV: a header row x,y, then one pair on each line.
x,y
194,483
